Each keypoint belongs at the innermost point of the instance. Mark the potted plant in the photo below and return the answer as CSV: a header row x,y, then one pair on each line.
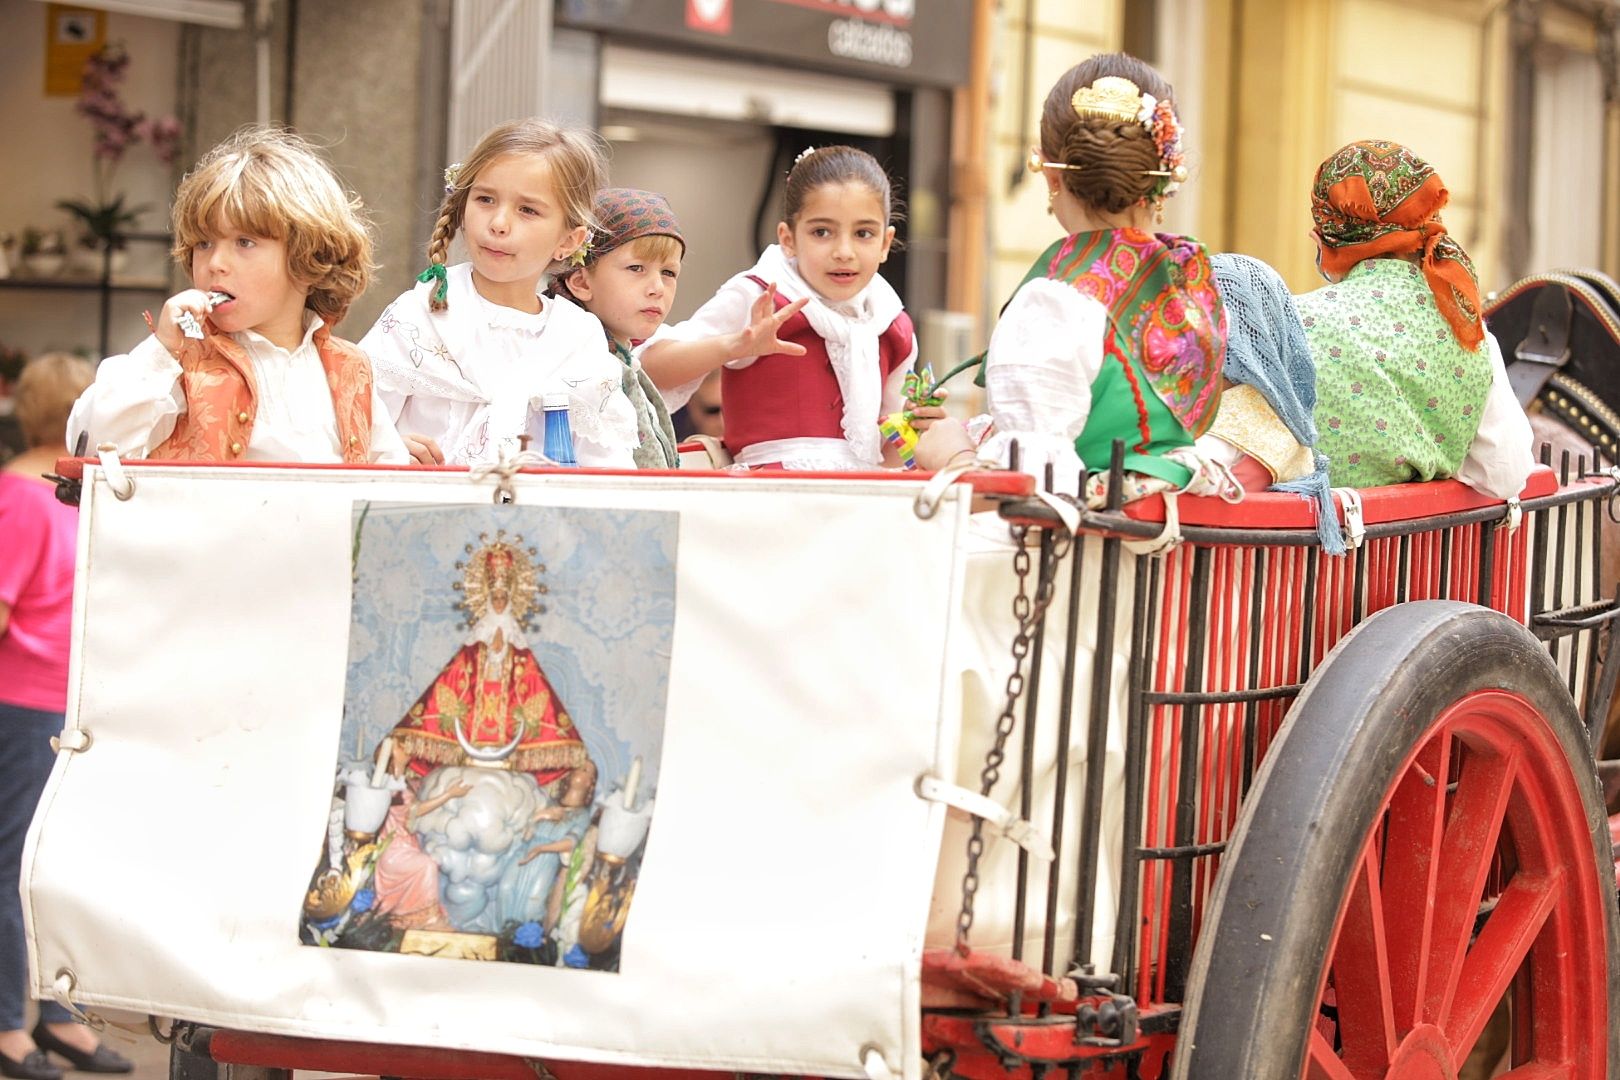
x,y
106,217
44,253
104,227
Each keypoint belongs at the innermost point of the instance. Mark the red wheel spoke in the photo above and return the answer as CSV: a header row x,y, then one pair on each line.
x,y
1502,946
1466,853
1412,842
1322,1063
1361,976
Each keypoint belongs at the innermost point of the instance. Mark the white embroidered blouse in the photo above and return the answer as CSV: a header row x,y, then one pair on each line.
x,y
136,399
472,377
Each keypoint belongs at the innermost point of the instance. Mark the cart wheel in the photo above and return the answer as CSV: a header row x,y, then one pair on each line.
x,y
1424,840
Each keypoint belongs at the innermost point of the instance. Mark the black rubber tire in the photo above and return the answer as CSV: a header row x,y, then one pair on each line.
x,y
1300,834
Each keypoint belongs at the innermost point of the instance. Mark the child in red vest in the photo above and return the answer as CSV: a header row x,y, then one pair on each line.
x,y
813,343
243,366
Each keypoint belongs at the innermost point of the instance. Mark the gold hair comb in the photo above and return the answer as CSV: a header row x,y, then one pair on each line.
x,y
1109,98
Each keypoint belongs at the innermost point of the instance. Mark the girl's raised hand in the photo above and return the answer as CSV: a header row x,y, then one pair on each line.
x,y
167,329
764,322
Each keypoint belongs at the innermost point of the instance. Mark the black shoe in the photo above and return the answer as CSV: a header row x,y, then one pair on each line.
x,y
34,1066
100,1060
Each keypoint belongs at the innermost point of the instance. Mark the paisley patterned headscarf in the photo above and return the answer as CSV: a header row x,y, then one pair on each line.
x,y
626,214
1376,198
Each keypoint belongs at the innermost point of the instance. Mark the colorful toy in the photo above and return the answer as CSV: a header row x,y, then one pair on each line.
x,y
898,432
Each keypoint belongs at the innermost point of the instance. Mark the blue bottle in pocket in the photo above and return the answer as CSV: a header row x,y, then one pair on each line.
x,y
558,441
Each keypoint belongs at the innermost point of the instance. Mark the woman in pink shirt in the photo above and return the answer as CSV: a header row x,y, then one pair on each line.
x,y
37,543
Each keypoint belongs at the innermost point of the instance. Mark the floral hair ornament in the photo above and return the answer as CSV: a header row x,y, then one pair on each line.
x,y
1122,101
452,172
806,152
437,272
582,254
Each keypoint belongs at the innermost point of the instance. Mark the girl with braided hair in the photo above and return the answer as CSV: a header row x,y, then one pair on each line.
x,y
1117,332
466,358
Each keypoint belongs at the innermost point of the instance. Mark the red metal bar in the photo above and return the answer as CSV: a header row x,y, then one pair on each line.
x,y
998,482
1397,502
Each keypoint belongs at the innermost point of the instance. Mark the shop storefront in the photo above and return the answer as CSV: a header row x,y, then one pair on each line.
x,y
709,101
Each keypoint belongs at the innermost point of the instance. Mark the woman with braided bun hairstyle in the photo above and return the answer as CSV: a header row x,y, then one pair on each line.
x,y
1117,332
466,359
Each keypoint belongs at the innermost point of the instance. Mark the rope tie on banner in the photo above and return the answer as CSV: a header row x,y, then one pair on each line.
x,y
506,466
1169,536
874,1065
121,483
1514,515
1009,824
926,504
1355,525
62,988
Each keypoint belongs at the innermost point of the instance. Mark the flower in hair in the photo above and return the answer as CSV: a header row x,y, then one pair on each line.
x,y
806,152
582,254
451,173
1165,128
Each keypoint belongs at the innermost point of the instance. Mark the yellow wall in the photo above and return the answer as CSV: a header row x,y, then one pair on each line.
x,y
1066,32
1316,74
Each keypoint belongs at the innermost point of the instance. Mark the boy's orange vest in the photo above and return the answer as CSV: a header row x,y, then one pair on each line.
x,y
216,376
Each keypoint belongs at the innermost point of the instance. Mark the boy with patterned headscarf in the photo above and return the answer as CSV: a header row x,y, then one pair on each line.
x,y
627,279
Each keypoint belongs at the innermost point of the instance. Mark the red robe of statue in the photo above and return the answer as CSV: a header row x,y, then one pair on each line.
x,y
492,698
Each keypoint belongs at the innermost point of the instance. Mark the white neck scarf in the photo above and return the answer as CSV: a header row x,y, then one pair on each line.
x,y
851,330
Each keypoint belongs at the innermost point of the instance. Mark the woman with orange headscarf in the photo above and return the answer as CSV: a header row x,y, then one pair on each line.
x,y
1410,384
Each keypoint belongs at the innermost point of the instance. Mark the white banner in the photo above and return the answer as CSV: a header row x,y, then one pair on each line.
x,y
228,619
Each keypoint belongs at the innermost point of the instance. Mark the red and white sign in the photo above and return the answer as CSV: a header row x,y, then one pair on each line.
x,y
710,16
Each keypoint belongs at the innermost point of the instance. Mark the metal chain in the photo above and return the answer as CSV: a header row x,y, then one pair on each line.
x,y
1029,612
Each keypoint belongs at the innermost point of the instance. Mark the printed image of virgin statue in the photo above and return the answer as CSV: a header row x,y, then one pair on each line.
x,y
473,826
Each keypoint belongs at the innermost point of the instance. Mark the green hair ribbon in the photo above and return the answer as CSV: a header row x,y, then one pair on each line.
x,y
437,272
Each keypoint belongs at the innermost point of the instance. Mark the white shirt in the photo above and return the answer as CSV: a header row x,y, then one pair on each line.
x,y
1045,353
471,377
1502,454
137,396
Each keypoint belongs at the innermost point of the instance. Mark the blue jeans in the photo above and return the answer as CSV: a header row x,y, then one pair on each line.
x,y
25,764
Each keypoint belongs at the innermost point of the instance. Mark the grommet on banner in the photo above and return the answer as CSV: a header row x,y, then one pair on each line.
x,y
121,483
71,739
872,1061
62,990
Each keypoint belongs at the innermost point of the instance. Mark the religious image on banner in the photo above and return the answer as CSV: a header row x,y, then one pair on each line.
x,y
501,735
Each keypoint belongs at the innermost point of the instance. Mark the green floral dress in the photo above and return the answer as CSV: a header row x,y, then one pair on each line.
x,y
1397,398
